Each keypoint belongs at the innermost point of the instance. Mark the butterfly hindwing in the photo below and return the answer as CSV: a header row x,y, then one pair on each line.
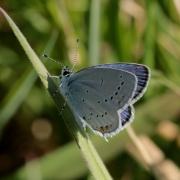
x,y
127,115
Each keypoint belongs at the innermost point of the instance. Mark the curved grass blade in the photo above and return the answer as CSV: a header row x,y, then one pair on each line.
x,y
16,96
92,158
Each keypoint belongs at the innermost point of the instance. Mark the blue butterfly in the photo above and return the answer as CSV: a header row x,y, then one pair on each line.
x,y
102,97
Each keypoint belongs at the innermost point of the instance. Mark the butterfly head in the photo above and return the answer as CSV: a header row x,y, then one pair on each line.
x,y
66,72
64,80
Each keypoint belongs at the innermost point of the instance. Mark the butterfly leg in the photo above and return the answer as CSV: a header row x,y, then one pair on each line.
x,y
84,126
56,77
63,107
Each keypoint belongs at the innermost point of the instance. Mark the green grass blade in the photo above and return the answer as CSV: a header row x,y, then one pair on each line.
x,y
20,89
16,96
94,32
37,64
150,33
92,158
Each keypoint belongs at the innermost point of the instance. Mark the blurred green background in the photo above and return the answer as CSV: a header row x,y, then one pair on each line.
x,y
137,31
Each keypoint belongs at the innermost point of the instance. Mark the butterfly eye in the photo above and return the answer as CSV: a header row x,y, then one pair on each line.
x,y
66,73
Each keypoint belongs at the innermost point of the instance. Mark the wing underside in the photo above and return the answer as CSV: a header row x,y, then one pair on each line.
x,y
141,72
97,94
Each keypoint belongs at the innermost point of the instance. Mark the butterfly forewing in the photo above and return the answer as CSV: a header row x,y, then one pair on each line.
x,y
142,73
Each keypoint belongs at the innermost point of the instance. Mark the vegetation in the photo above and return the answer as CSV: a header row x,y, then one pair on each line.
x,y
36,142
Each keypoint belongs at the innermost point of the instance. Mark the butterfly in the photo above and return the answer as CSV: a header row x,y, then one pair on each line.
x,y
101,97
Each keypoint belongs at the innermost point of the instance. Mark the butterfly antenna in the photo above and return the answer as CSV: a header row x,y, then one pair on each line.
x,y
75,57
47,57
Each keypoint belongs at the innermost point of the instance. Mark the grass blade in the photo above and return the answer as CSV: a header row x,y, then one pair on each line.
x,y
94,32
16,96
92,158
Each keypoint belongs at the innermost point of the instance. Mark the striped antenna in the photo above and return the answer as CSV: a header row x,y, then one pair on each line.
x,y
75,56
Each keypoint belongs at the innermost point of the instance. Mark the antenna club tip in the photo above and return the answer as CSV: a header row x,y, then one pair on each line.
x,y
45,55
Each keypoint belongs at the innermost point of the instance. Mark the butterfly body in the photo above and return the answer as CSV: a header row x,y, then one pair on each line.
x,y
102,97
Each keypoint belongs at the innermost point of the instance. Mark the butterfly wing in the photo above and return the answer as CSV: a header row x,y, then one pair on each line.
x,y
127,115
96,94
142,73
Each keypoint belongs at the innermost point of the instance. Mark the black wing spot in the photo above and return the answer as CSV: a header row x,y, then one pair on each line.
x,y
105,113
98,102
111,97
87,91
120,76
119,88
102,115
84,117
97,115
101,82
105,100
116,93
83,100
101,129
122,83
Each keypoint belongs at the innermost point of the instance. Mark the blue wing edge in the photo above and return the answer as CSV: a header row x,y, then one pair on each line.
x,y
141,71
